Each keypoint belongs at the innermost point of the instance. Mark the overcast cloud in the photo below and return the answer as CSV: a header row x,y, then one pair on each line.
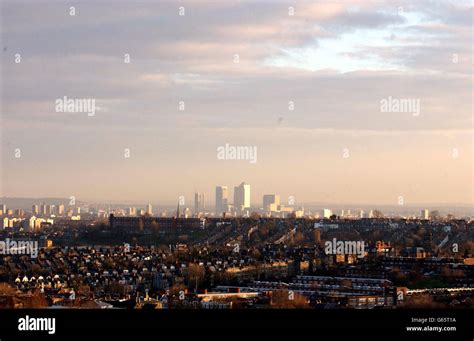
x,y
335,60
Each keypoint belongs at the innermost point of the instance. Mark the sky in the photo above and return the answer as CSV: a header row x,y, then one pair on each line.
x,y
300,81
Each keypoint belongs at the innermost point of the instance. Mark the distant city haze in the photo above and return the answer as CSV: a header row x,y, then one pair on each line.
x,y
357,102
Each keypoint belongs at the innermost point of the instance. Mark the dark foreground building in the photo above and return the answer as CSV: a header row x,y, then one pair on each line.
x,y
148,223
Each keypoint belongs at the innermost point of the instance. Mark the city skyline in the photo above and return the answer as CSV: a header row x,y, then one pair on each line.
x,y
266,203
189,198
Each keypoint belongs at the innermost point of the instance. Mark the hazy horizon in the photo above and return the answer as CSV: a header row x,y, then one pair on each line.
x,y
304,89
209,204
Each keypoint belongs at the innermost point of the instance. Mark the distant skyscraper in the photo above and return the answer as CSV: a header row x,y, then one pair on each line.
x,y
43,208
327,213
222,197
198,203
132,211
149,209
35,209
242,196
425,214
271,202
3,208
60,209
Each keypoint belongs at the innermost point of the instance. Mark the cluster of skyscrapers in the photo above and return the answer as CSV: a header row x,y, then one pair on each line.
x,y
48,210
241,199
44,210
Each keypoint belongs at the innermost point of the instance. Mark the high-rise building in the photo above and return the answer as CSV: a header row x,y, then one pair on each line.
x,y
327,213
132,211
222,198
7,222
425,214
31,221
271,202
198,203
3,208
242,197
35,209
149,209
43,209
60,209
